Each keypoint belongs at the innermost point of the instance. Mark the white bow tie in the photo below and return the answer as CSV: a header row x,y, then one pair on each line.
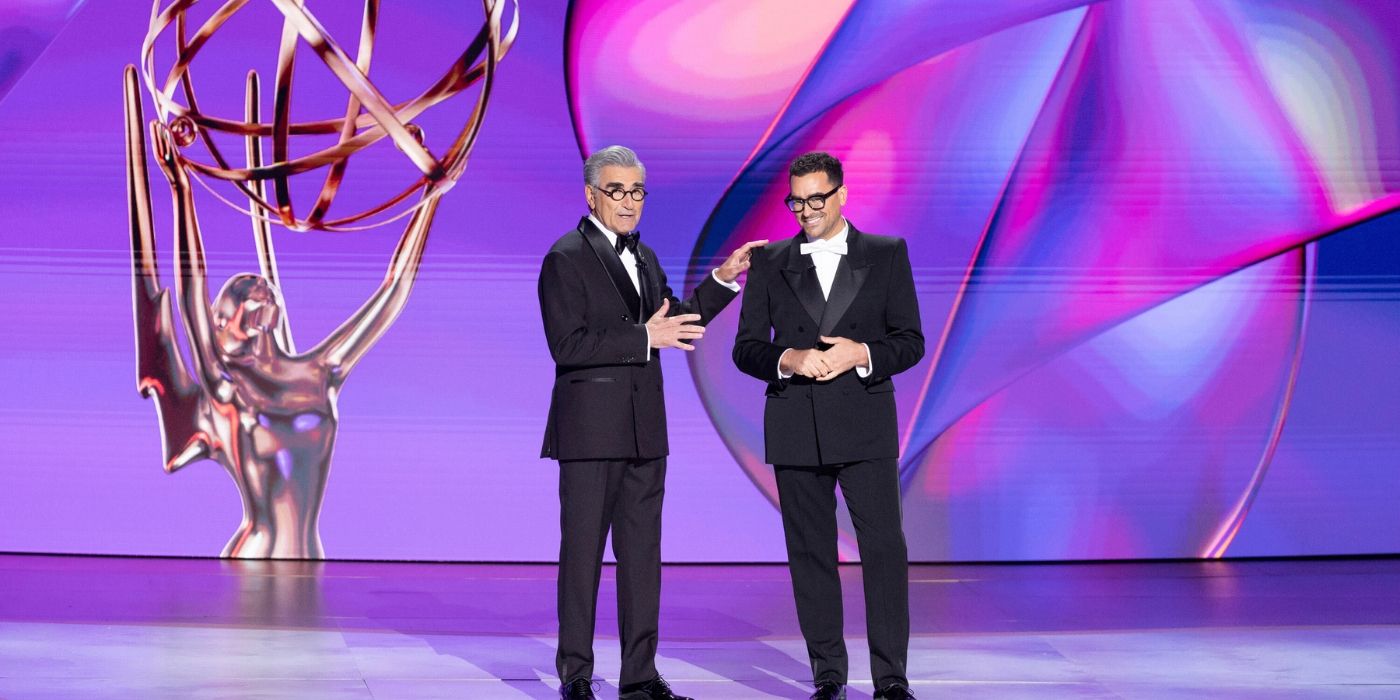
x,y
823,246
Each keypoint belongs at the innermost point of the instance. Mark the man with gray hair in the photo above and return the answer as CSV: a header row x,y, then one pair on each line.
x,y
607,310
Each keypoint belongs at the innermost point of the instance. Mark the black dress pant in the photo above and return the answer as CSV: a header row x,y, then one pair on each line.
x,y
624,496
807,496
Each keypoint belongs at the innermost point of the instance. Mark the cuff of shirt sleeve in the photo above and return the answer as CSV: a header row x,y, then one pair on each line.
x,y
869,367
648,332
780,365
731,286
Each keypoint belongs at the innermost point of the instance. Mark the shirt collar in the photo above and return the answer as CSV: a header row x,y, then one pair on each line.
x,y
612,237
839,237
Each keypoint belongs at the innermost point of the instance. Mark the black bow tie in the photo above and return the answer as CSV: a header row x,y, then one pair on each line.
x,y
628,241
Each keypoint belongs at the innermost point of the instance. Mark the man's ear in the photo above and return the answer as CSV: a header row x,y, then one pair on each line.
x,y
588,196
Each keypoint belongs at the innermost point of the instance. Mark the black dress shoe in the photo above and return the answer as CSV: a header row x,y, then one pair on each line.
x,y
829,690
654,689
577,689
894,691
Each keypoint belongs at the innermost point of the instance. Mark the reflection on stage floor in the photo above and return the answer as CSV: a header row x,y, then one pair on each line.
x,y
94,627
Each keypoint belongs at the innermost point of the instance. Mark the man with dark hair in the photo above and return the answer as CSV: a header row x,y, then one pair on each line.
x,y
828,317
607,309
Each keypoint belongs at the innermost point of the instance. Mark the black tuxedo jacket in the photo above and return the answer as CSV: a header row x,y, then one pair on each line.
x,y
872,301
607,401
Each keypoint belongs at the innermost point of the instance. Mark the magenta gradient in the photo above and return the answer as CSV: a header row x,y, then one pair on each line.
x,y
1108,206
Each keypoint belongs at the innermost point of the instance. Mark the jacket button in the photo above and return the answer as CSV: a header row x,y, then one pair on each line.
x,y
853,324
800,329
636,388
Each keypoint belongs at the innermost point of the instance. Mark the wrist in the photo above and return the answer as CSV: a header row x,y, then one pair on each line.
x,y
785,360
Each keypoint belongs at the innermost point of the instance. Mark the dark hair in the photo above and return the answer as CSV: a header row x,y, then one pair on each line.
x,y
818,162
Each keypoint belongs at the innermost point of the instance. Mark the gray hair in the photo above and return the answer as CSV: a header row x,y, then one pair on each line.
x,y
612,155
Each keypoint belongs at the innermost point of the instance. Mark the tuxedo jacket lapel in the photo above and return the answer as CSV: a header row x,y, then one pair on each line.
x,y
607,256
801,276
650,280
842,292
851,274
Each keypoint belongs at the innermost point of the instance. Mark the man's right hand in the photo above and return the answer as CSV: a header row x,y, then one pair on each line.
x,y
673,331
808,363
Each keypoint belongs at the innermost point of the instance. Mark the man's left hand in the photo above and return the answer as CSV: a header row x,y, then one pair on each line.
x,y
843,355
738,261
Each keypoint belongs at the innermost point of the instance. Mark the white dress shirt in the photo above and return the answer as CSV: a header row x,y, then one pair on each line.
x,y
826,263
629,262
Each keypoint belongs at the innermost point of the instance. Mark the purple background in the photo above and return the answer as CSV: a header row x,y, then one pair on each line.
x,y
1152,240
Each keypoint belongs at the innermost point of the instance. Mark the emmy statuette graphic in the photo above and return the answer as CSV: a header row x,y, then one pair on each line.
x,y
253,402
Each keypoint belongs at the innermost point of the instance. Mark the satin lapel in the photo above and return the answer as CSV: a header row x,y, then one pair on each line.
x,y
842,292
801,276
851,274
622,282
648,276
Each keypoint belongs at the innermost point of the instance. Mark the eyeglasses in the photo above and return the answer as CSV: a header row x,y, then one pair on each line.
x,y
637,195
816,202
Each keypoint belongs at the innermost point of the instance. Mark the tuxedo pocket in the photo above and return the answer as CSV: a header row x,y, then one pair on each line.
x,y
883,387
587,380
776,391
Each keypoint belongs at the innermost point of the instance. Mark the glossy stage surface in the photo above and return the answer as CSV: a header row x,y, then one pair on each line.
x,y
76,627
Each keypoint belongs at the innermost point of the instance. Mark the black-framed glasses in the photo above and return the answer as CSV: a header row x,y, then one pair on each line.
x,y
637,195
816,202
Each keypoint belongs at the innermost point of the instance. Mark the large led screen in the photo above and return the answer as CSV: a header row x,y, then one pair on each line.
x,y
1155,244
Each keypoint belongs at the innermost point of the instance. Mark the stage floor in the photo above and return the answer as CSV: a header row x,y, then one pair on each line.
x,y
94,628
